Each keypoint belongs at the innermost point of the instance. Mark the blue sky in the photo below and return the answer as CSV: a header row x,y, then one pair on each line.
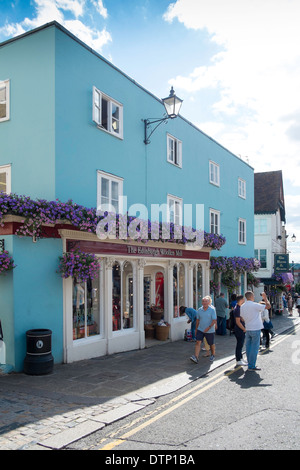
x,y
235,63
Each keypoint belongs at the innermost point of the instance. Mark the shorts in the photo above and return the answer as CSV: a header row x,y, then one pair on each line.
x,y
210,337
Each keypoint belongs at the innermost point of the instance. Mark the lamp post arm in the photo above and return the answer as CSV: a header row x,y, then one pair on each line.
x,y
147,123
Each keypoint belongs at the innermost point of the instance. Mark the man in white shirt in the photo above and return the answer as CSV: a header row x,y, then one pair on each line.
x,y
251,313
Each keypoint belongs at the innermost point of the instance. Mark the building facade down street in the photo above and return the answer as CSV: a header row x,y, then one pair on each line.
x,y
270,240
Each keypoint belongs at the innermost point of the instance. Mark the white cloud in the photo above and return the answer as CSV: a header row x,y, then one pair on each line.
x,y
257,70
100,8
94,38
54,10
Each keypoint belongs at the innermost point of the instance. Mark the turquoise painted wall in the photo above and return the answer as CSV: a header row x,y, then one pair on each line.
x,y
31,296
82,149
27,139
38,293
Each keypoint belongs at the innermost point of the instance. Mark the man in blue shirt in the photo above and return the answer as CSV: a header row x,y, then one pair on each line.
x,y
192,314
205,328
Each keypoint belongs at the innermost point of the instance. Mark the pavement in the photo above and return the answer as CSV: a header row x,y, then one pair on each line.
x,y
49,412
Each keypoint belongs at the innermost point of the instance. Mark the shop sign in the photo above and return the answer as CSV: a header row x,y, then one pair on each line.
x,y
122,249
149,251
281,263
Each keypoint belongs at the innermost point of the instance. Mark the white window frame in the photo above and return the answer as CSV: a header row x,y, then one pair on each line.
x,y
174,151
216,221
5,84
259,250
242,188
177,202
7,170
98,97
261,226
242,231
214,173
111,178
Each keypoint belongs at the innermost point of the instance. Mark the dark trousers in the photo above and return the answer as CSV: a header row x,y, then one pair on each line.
x,y
240,339
221,326
266,335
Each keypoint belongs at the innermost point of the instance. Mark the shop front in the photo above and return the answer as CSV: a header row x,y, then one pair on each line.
x,y
110,314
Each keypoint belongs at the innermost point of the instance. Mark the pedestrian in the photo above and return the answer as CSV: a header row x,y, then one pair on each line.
x,y
239,331
298,304
205,328
267,327
192,315
251,313
221,306
290,305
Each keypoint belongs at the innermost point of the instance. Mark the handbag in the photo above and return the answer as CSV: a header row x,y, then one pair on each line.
x,y
268,325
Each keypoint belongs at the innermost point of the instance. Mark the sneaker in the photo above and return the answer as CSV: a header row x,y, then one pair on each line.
x,y
254,368
242,363
194,359
212,358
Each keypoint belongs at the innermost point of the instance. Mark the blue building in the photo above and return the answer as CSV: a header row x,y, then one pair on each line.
x,y
72,128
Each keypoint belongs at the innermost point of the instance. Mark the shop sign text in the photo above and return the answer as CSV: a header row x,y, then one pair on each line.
x,y
148,251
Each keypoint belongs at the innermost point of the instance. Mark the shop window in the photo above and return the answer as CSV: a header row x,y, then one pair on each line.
x,y
4,100
178,288
197,286
123,304
107,113
86,311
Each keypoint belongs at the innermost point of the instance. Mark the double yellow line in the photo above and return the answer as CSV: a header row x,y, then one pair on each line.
x,y
176,402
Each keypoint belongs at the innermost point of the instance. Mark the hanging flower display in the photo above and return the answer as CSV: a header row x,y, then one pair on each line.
x,y
231,268
252,280
230,281
79,265
283,278
6,262
235,264
35,214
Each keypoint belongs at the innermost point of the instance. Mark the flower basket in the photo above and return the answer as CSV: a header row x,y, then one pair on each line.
x,y
6,262
156,312
79,265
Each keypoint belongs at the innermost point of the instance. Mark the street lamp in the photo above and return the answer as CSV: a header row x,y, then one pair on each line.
x,y
172,106
293,238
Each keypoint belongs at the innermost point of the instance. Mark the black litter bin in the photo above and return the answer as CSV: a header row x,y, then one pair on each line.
x,y
39,359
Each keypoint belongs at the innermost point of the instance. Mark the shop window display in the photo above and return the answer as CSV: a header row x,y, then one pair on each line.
x,y
197,286
86,313
178,288
122,296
